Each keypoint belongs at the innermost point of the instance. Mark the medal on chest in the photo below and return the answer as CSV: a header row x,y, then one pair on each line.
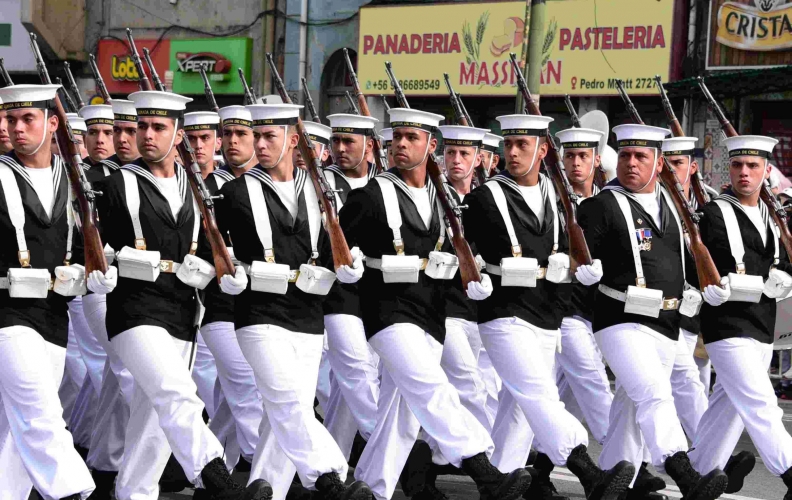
x,y
644,237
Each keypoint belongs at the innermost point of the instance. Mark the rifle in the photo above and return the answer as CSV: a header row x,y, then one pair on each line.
x,y
73,85
380,155
250,97
352,106
143,81
100,84
325,194
462,119
309,104
385,102
696,181
70,106
220,256
579,253
705,267
210,98
599,173
464,109
154,76
6,77
86,197
777,211
468,267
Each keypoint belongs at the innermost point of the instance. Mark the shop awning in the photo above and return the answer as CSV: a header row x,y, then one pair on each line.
x,y
736,83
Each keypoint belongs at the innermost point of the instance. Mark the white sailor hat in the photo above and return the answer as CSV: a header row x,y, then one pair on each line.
x,y
236,115
318,132
639,136
201,120
98,114
124,111
265,115
456,135
750,145
77,123
530,125
387,136
679,146
491,142
575,138
159,104
343,123
28,96
413,118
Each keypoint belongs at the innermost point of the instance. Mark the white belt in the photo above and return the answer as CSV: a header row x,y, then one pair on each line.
x,y
293,273
168,266
496,270
377,263
668,304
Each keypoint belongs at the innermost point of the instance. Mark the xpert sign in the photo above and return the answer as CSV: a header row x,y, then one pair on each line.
x,y
219,56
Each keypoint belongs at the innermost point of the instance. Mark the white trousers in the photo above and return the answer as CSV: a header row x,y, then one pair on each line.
x,y
93,354
580,361
286,366
224,428
743,398
237,383
643,406
704,365
323,378
35,447
354,383
690,398
415,393
492,382
204,373
461,348
73,375
106,448
165,410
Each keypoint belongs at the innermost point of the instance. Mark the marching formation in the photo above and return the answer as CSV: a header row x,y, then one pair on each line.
x,y
450,318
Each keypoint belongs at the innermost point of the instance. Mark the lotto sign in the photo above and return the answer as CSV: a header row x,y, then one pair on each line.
x,y
118,70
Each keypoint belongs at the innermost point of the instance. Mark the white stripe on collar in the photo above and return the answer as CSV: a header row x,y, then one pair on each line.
x,y
372,172
263,176
512,184
110,164
399,183
57,168
223,174
734,201
181,177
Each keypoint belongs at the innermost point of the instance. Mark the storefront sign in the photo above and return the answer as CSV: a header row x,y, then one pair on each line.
x,y
587,46
119,72
219,57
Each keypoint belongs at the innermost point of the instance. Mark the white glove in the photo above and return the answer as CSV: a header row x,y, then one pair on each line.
x,y
351,274
109,253
589,274
234,285
103,283
778,284
715,295
480,261
480,290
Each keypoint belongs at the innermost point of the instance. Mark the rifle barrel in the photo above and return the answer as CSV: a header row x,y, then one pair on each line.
x,y
154,76
572,113
99,80
4,73
144,82
210,98
73,85
249,97
309,104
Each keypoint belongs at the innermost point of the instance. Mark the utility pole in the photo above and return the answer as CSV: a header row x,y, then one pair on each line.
x,y
535,15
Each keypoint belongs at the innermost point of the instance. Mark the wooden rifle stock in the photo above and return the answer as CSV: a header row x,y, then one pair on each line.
x,y
324,193
93,248
579,253
468,267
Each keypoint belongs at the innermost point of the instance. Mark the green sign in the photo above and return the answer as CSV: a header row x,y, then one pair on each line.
x,y
5,35
219,56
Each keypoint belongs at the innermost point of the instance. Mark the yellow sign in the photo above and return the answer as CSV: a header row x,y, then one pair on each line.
x,y
763,28
588,45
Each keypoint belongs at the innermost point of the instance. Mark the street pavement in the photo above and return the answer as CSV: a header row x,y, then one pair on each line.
x,y
760,485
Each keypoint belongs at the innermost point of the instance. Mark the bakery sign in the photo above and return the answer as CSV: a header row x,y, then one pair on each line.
x,y
763,25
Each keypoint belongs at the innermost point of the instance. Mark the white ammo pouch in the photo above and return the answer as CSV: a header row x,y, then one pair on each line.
x,y
312,278
691,302
516,270
265,276
194,271
22,282
441,265
558,263
136,263
744,287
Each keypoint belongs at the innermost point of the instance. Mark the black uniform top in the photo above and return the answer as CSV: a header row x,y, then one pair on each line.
x,y
365,225
343,298
95,172
692,325
484,227
740,319
295,310
219,306
582,297
46,241
609,240
167,302
458,305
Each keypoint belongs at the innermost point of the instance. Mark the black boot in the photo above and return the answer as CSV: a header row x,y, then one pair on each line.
x,y
737,468
599,484
330,487
541,486
532,455
173,479
220,486
105,482
243,465
693,485
646,483
493,484
76,496
430,491
413,475
787,478
297,491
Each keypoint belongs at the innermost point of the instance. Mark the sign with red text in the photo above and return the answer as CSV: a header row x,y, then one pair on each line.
x,y
118,70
